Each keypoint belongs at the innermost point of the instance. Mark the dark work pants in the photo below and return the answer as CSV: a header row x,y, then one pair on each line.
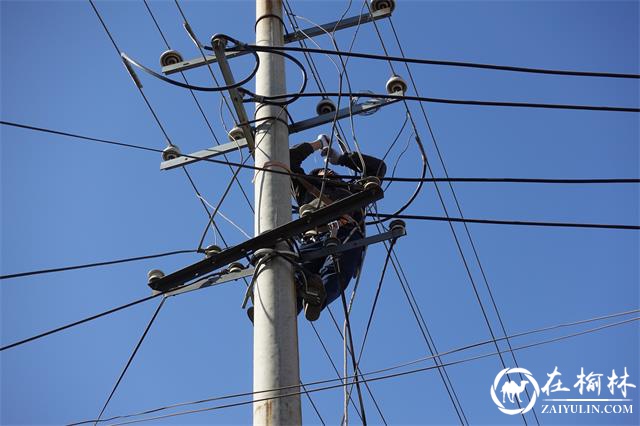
x,y
348,263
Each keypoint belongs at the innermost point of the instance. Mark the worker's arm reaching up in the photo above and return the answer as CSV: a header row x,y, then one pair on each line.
x,y
372,165
353,160
299,153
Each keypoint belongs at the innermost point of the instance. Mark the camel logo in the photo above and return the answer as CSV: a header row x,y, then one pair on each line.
x,y
511,390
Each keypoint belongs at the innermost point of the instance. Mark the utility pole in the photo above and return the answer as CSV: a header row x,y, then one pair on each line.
x,y
275,331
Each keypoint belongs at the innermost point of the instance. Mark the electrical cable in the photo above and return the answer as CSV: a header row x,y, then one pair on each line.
x,y
397,162
93,265
512,180
133,354
406,60
349,335
406,364
440,157
282,172
424,330
328,355
419,360
155,116
350,350
191,86
507,222
372,379
461,101
82,321
369,321
315,408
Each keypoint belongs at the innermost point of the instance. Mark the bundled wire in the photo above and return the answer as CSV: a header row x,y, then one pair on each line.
x,y
366,375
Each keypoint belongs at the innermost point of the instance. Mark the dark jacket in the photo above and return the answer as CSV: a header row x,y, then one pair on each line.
x,y
332,189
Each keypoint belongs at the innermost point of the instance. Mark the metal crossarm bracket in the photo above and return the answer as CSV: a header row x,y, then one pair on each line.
x,y
326,251
236,97
204,154
210,282
357,108
269,238
337,25
288,38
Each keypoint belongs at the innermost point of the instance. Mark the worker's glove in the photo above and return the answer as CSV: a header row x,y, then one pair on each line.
x,y
331,154
324,139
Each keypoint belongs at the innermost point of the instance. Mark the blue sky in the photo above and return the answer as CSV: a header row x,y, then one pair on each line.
x,y
67,202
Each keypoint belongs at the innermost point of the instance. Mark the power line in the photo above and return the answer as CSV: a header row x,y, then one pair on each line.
x,y
426,334
115,46
383,377
468,232
420,360
457,101
133,354
385,179
513,180
439,62
82,321
93,265
505,222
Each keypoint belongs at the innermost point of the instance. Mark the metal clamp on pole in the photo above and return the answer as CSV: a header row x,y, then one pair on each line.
x,y
219,45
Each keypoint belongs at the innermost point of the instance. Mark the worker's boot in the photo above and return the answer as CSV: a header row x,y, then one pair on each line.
x,y
313,296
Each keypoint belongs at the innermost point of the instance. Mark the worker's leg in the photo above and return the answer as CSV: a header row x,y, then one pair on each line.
x,y
310,266
336,277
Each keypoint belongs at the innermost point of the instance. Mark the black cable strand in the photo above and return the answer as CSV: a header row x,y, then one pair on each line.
x,y
406,60
306,392
426,334
352,352
511,180
82,321
335,368
455,197
269,15
369,321
155,116
105,141
93,265
463,102
133,354
444,207
384,179
507,222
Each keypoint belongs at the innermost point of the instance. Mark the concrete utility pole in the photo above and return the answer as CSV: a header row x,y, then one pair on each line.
x,y
275,332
